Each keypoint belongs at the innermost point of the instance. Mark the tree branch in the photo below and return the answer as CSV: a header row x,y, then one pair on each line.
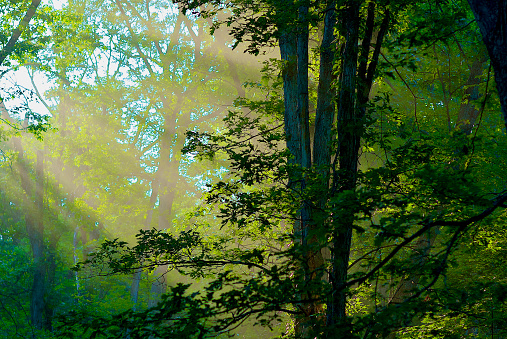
x,y
23,24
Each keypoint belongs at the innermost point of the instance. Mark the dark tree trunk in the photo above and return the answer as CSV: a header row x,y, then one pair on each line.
x,y
51,265
302,80
349,134
491,15
324,119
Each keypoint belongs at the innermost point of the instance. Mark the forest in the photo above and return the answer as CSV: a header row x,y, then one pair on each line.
x,y
253,169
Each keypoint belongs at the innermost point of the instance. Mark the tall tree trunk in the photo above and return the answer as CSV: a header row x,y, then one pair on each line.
x,y
51,265
325,114
165,197
349,134
136,281
168,168
324,119
302,85
35,230
33,200
163,188
294,133
294,52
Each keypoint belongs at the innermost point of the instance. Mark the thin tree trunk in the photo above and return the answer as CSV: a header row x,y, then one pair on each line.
x,y
289,73
136,279
49,306
33,200
312,260
325,96
349,133
35,230
75,242
302,85
325,116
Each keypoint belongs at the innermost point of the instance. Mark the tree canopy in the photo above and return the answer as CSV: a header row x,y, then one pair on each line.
x,y
290,169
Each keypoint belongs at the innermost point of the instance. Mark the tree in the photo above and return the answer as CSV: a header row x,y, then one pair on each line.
x,y
10,47
26,40
286,208
112,165
491,18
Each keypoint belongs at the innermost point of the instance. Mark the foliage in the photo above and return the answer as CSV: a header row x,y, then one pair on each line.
x,y
399,201
220,223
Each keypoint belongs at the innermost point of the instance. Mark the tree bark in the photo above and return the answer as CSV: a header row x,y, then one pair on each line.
x,y
302,81
292,122
349,134
293,42
325,113
491,16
